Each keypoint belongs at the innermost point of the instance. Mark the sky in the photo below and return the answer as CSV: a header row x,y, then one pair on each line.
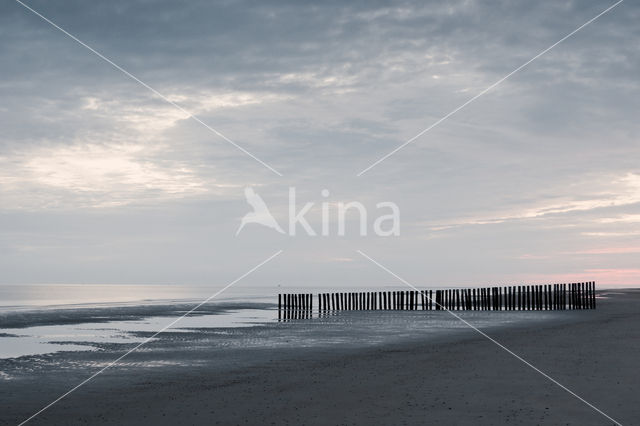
x,y
104,181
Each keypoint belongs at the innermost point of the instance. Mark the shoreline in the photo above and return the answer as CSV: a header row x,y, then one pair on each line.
x,y
459,378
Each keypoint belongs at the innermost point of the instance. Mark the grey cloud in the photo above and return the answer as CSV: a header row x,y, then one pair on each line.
x,y
328,88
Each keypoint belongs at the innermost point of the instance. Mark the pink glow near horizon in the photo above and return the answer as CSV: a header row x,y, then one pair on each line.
x,y
609,250
604,277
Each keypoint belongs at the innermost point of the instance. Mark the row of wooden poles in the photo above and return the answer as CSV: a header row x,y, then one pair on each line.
x,y
511,298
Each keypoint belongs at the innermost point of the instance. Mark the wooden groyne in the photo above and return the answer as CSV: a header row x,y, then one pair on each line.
x,y
548,297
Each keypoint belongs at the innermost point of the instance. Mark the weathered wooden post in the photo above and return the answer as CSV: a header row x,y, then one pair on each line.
x,y
512,297
284,298
492,298
487,299
507,298
572,296
578,296
474,303
587,295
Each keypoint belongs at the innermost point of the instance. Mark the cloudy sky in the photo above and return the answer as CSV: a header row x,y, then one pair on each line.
x,y
104,181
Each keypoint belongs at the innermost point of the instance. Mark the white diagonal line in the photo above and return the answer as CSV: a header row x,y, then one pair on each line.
x,y
163,97
489,88
111,364
493,340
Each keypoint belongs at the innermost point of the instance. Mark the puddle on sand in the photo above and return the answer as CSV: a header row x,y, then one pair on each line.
x,y
39,340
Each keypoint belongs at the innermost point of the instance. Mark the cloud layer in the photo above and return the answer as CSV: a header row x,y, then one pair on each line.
x,y
103,181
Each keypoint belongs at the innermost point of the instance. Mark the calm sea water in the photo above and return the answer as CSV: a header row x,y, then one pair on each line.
x,y
30,296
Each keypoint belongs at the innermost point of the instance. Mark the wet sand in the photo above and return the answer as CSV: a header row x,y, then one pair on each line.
x,y
456,379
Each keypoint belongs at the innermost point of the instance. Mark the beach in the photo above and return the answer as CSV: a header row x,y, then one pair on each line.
x,y
319,213
353,369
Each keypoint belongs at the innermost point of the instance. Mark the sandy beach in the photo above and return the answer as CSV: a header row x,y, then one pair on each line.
x,y
453,378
